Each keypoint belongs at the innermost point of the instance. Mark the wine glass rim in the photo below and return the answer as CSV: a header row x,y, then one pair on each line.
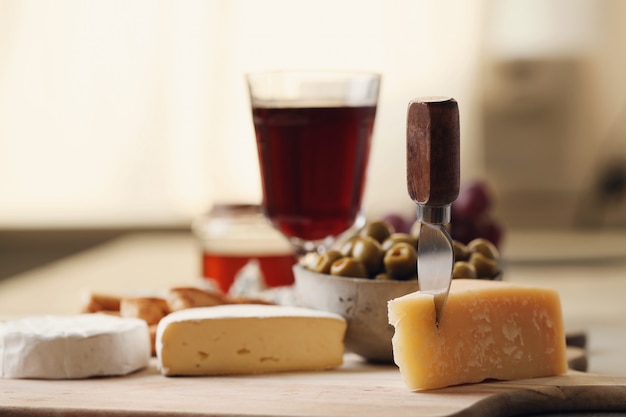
x,y
313,88
328,73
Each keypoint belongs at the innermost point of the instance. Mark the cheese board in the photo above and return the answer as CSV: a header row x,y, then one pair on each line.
x,y
357,388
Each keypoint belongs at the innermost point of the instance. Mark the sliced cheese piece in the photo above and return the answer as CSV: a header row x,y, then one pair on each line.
x,y
247,338
72,347
489,330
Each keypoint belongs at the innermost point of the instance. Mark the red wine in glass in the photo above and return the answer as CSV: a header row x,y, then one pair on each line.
x,y
313,133
313,166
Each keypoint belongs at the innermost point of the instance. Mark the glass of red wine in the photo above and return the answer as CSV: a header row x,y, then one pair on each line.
x,y
313,134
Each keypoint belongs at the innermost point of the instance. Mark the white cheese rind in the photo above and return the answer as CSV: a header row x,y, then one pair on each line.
x,y
243,339
73,347
489,329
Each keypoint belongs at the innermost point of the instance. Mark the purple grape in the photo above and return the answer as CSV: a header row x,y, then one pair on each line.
x,y
398,222
492,231
463,230
470,215
474,199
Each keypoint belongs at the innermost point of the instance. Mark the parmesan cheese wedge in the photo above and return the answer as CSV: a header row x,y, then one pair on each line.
x,y
489,330
249,338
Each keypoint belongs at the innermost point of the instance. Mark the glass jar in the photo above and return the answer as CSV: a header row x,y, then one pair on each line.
x,y
232,235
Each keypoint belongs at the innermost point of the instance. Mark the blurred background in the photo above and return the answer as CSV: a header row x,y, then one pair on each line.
x,y
133,115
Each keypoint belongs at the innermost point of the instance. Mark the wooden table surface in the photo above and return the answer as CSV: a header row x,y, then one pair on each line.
x,y
356,389
588,270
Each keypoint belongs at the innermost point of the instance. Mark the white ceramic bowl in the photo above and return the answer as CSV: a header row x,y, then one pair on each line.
x,y
363,302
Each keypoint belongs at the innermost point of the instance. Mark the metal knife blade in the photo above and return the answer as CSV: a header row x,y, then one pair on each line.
x,y
433,176
435,260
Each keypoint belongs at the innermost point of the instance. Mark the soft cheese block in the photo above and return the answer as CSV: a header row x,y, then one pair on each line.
x,y
72,347
489,330
246,338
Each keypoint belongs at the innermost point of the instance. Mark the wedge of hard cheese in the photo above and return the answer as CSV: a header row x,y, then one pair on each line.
x,y
246,338
489,330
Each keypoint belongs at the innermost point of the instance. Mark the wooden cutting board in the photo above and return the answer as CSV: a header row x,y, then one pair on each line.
x,y
356,389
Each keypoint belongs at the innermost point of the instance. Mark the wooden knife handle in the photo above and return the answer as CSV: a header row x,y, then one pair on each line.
x,y
433,151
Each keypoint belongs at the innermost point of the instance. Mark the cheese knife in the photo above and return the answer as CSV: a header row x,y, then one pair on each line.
x,y
433,176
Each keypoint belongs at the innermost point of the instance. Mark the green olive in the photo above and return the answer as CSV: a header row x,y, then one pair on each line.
x,y
369,252
460,251
379,230
399,237
463,269
486,268
348,267
346,247
325,260
309,260
401,261
483,246
383,276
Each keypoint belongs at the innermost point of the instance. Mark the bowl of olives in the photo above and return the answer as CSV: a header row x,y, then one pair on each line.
x,y
359,275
